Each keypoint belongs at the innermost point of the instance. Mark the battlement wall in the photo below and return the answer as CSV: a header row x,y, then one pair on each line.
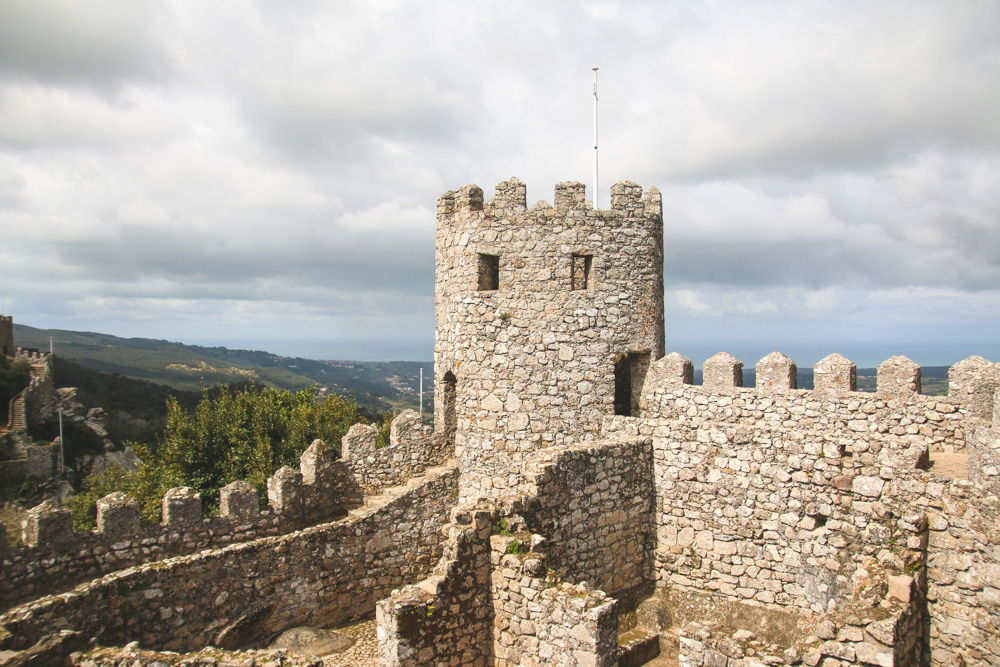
x,y
413,448
780,496
318,491
496,597
321,576
896,411
536,309
39,395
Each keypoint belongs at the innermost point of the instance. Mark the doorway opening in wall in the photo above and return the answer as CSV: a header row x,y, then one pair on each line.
x,y
630,373
449,420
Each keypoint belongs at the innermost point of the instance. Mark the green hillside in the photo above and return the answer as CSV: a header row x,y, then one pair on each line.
x,y
377,386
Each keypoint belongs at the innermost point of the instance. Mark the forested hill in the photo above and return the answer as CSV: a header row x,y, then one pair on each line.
x,y
376,385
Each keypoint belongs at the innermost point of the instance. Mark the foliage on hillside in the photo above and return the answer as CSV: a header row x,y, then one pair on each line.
x,y
136,409
240,432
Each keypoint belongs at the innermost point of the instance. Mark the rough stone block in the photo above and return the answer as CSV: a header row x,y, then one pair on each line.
x,y
722,372
898,377
315,463
870,487
776,371
284,491
118,516
47,524
626,195
359,442
835,374
238,500
570,194
974,381
901,587
406,429
181,507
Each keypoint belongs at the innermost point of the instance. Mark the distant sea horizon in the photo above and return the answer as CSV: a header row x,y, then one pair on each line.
x,y
804,354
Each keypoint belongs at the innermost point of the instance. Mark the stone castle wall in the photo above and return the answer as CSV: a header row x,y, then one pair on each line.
x,y
594,504
39,395
541,312
493,600
533,570
321,576
412,449
55,558
777,495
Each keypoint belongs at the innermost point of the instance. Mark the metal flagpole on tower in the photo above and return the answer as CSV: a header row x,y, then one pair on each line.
x,y
595,138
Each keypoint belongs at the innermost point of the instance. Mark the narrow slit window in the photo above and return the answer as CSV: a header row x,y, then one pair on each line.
x,y
489,272
580,271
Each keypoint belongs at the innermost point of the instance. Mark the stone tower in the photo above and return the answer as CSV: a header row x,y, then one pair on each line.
x,y
7,348
547,319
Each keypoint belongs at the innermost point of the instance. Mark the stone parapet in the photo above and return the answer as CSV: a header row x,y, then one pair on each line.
x,y
233,596
974,381
320,490
412,449
940,423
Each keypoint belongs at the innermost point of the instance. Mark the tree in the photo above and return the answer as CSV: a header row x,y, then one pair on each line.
x,y
244,431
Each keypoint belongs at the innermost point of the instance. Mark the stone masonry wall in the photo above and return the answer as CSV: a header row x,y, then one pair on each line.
x,y
593,502
39,395
6,336
541,620
963,570
776,495
446,619
984,450
888,635
321,576
536,308
55,558
412,449
493,601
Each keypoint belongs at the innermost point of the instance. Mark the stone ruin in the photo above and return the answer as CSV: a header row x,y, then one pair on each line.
x,y
580,500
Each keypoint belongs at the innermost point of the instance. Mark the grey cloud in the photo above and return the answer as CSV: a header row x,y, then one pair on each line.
x,y
101,43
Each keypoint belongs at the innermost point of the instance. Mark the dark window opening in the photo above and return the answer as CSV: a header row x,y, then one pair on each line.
x,y
580,271
630,373
489,272
449,420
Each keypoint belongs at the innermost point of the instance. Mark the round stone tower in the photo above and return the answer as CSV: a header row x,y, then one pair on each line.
x,y
547,319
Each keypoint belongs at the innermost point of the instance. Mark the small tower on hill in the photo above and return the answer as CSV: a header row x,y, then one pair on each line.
x,y
547,319
7,348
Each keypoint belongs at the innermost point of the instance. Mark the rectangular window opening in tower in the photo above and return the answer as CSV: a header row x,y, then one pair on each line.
x,y
580,271
489,272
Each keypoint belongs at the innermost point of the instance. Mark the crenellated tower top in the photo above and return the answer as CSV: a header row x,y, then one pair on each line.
x,y
547,318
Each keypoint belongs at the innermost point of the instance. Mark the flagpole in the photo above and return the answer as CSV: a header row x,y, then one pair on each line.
x,y
595,139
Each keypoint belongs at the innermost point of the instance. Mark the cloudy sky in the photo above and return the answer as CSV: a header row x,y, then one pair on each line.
x,y
232,171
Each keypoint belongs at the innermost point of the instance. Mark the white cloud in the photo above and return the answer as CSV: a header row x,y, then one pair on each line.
x,y
222,165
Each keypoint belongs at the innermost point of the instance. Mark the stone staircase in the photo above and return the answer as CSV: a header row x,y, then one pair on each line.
x,y
15,415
